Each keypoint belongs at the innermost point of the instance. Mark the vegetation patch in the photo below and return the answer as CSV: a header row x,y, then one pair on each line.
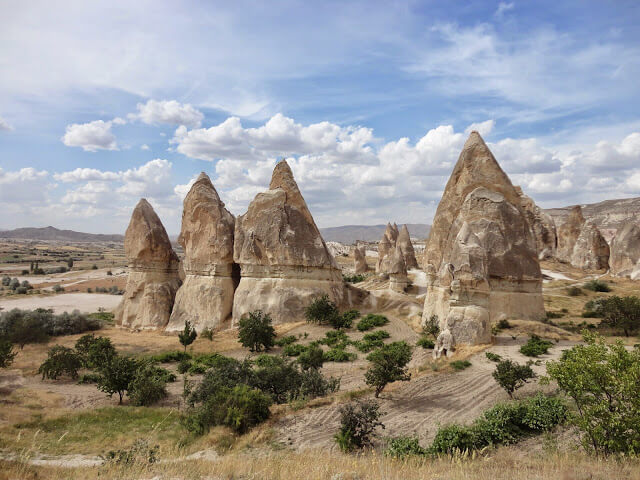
x,y
371,321
597,286
535,346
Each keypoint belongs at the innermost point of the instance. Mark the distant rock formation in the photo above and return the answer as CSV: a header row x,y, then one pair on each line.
x,y
284,261
153,272
386,246
481,258
544,228
581,244
360,259
625,252
406,247
394,266
206,297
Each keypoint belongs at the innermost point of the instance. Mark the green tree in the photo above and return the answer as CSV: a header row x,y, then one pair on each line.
x,y
311,358
511,375
148,385
6,353
621,313
388,364
95,351
188,335
322,311
603,381
60,361
255,331
431,327
116,376
358,423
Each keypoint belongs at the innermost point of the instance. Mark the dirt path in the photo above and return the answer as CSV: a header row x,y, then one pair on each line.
x,y
67,302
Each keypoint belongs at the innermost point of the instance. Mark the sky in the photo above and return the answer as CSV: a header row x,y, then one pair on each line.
x,y
102,103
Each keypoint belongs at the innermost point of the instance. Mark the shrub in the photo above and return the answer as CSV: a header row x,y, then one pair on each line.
x,y
60,361
207,333
284,341
349,317
311,358
597,286
255,331
388,364
58,288
89,378
322,311
225,372
358,422
94,351
574,291
401,447
620,313
460,364
276,376
354,278
535,346
139,453
116,376
6,353
335,338
602,381
371,341
94,267
148,385
339,355
502,424
493,357
512,376
550,315
188,335
21,290
370,321
314,384
425,343
293,350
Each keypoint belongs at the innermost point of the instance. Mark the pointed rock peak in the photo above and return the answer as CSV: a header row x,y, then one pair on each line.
x,y
145,238
404,233
203,186
283,178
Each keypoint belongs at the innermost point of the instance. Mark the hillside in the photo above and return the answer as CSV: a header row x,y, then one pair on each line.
x,y
369,233
55,234
607,215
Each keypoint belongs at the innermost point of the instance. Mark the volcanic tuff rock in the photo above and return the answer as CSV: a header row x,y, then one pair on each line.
x,y
544,228
206,297
481,258
568,234
394,266
581,244
385,247
359,259
406,247
625,252
284,261
153,272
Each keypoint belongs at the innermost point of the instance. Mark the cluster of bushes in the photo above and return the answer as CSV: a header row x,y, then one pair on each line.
x,y
356,278
238,393
597,286
36,326
323,311
142,380
336,340
16,286
535,346
620,314
112,290
371,321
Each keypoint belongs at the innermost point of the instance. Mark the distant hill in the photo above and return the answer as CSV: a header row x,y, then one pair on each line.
x,y
54,234
348,234
607,215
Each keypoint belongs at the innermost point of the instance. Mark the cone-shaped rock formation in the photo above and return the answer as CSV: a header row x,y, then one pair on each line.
x,y
625,252
581,244
153,272
406,247
481,257
206,297
360,260
284,261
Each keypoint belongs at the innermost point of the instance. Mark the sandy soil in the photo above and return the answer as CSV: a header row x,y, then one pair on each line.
x,y
66,302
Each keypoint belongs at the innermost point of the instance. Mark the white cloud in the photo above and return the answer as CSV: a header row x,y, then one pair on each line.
x,y
144,147
503,7
85,175
483,128
4,125
167,111
92,136
26,185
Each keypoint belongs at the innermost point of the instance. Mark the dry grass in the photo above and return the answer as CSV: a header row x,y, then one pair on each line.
x,y
503,464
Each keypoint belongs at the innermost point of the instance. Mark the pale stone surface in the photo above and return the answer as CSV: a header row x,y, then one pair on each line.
x,y
206,297
544,228
444,344
625,251
568,234
591,251
285,262
406,247
386,246
153,272
359,259
481,258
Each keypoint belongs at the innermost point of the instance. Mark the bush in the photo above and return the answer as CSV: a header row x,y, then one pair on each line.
x,y
276,376
255,331
460,364
535,346
357,278
620,313
602,381
425,343
293,350
207,333
88,378
349,317
503,324
238,408
335,338
314,384
226,372
139,453
502,424
169,357
322,311
58,288
116,376
6,353
339,355
512,376
311,358
574,291
388,364
493,357
371,341
284,341
21,290
431,327
60,361
550,315
370,321
358,422
94,351
148,385
401,447
188,335
597,286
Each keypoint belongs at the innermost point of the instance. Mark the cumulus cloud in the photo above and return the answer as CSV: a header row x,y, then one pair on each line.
x,y
85,175
26,185
144,146
169,112
503,7
4,125
92,136
483,128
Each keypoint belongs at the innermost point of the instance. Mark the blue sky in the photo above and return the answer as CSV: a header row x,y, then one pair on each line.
x,y
104,102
